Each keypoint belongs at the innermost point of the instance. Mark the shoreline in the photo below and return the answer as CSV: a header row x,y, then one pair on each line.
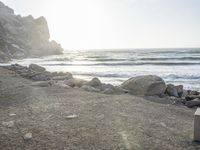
x,y
170,93
99,64
42,114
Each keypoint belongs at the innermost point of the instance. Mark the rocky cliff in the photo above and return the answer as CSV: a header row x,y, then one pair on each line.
x,y
22,37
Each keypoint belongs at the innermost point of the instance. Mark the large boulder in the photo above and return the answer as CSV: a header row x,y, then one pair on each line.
x,y
148,85
95,82
65,76
75,82
180,90
172,90
36,68
193,103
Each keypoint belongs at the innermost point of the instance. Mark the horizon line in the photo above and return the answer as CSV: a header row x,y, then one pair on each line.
x,y
129,48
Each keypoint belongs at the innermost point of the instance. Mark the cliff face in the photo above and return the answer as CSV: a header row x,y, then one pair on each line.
x,y
22,37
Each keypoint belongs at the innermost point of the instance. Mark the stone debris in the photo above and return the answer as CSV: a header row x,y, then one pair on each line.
x,y
9,124
148,85
11,115
72,116
42,83
28,136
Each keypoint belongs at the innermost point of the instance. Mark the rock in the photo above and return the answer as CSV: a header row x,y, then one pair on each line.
x,y
28,136
22,37
42,83
108,91
177,100
11,115
171,90
191,97
4,58
34,72
193,92
61,84
104,86
75,82
67,76
120,90
145,85
79,82
72,116
90,88
193,103
94,82
179,89
9,124
70,82
163,124
43,76
37,68
185,93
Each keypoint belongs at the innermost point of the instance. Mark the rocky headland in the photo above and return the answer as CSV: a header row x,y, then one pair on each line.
x,y
22,37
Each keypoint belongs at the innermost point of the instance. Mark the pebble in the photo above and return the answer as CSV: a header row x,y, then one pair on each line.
x,y
163,124
28,136
11,115
72,116
8,124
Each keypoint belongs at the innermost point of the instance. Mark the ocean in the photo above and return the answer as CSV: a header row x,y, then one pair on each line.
x,y
176,66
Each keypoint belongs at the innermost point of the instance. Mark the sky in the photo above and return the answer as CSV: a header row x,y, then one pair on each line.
x,y
110,24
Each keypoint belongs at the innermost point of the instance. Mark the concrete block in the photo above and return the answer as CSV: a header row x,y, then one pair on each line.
x,y
197,125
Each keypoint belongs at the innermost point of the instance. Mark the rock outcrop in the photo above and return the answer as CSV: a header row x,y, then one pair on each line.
x,y
22,37
176,91
150,87
145,85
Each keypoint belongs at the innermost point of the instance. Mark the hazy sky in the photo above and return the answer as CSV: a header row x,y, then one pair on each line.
x,y
89,24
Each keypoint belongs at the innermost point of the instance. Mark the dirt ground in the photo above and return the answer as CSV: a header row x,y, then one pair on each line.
x,y
72,119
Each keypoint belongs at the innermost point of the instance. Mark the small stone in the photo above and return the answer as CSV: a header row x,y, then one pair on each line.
x,y
163,124
72,116
42,83
11,115
90,88
28,136
108,91
67,76
60,84
8,124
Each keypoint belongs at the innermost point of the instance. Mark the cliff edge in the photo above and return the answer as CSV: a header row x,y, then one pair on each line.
x,y
22,37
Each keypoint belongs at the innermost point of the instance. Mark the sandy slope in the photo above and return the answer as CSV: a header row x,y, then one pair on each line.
x,y
102,122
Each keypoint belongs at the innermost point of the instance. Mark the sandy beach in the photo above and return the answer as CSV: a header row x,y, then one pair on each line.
x,y
71,118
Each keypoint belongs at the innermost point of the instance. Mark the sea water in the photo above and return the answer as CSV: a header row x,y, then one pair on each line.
x,y
176,66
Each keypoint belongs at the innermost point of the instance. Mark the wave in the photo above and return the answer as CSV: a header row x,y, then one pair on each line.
x,y
171,58
171,77
108,75
188,77
126,64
